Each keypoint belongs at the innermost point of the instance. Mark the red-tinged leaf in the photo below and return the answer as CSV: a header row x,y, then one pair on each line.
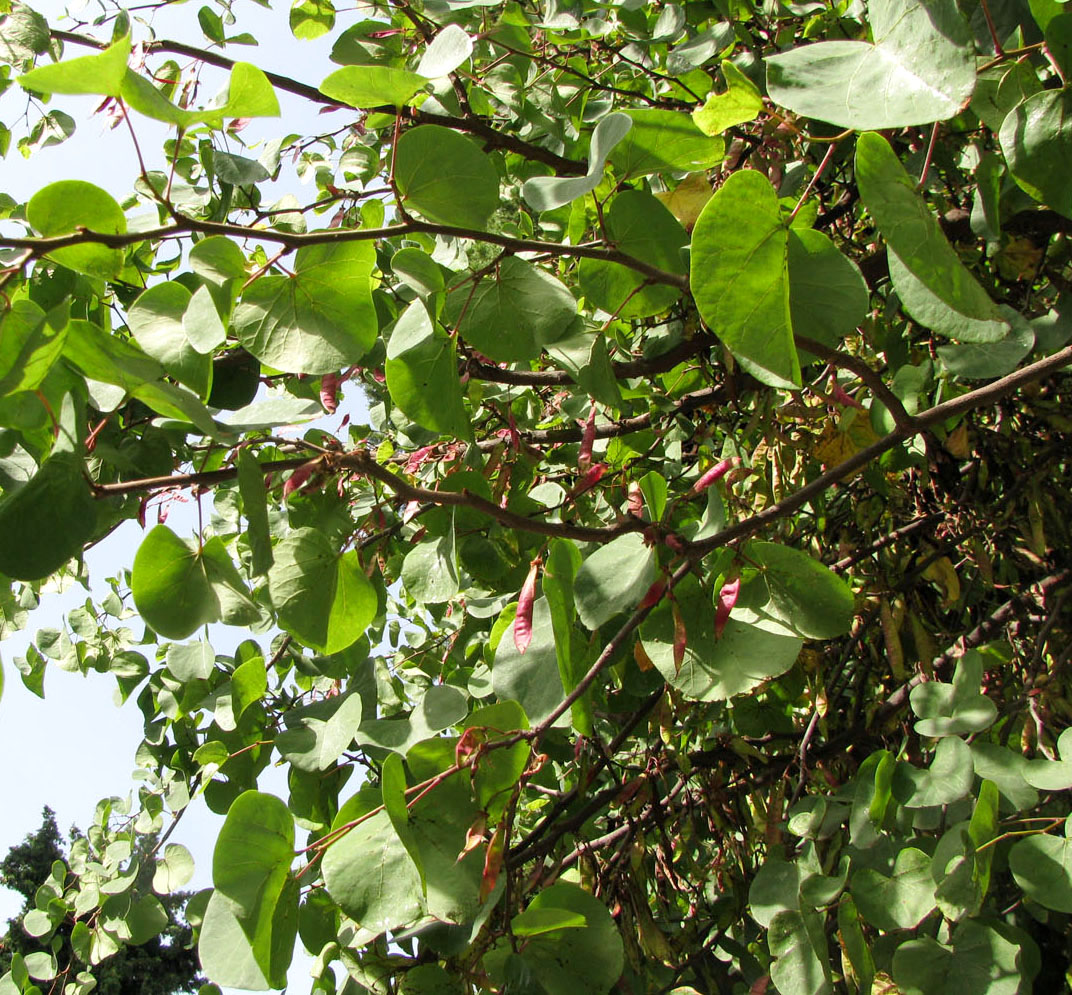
x,y
727,598
584,456
523,619
717,472
378,376
591,477
474,835
654,595
470,742
329,389
634,503
297,478
142,507
846,400
493,862
238,124
759,986
681,637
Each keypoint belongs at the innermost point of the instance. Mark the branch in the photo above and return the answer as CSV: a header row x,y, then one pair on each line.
x,y
185,225
474,126
662,363
917,424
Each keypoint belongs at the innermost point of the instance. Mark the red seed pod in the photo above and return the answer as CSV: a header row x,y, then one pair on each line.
x,y
523,619
297,478
717,472
727,598
493,862
474,835
584,456
329,389
590,479
515,435
654,595
681,637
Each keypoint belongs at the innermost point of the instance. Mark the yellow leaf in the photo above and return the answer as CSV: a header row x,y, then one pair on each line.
x,y
687,199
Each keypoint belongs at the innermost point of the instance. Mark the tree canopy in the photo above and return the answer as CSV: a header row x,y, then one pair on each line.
x,y
689,611
158,960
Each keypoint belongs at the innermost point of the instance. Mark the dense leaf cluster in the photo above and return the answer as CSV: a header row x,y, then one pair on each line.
x,y
687,612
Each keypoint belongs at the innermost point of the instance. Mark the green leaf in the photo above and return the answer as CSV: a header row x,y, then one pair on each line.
x,y
798,591
393,789
980,961
714,670
1052,775
431,979
29,346
249,682
533,922
921,68
170,587
901,900
448,50
255,508
915,237
1008,770
440,707
664,141
109,358
641,227
372,86
499,771
798,968
975,360
582,959
613,579
156,321
854,945
46,521
23,34
224,949
529,677
740,103
100,74
1036,138
322,597
310,19
316,735
545,193
319,320
191,662
513,316
251,870
828,297
957,708
446,177
948,779
372,877
173,870
1042,867
739,277
422,373
63,208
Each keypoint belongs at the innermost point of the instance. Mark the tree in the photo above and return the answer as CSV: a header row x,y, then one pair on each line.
x,y
689,612
163,964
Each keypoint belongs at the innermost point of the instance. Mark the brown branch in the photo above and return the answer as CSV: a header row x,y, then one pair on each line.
x,y
327,236
662,363
474,126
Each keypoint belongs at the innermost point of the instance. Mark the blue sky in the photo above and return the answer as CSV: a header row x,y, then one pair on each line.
x,y
76,746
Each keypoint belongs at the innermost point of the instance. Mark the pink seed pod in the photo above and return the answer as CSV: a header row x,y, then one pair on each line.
x,y
635,501
584,456
838,393
727,598
523,619
681,637
329,389
717,472
590,479
297,478
654,595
